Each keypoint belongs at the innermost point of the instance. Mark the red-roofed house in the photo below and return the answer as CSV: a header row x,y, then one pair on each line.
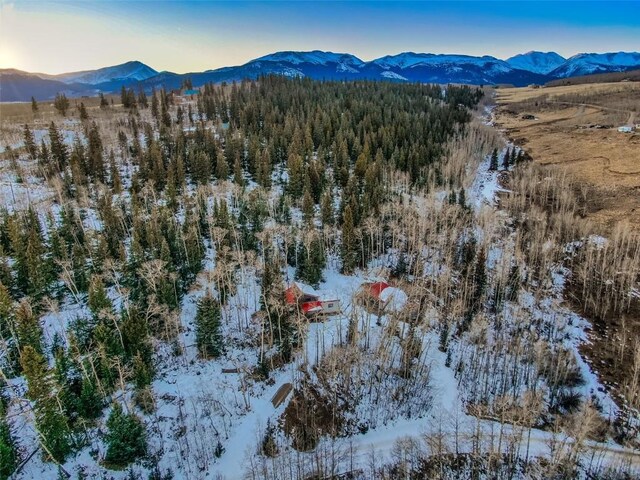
x,y
310,302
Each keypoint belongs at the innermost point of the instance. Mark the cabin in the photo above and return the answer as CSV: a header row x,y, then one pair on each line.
x,y
311,302
378,296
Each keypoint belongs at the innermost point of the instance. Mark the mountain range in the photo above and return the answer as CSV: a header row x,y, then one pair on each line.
x,y
523,69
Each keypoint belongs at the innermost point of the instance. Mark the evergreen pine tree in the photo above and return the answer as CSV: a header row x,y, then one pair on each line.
x,y
142,372
201,168
270,285
95,155
222,169
126,437
52,425
479,280
264,169
127,97
78,264
98,301
114,174
28,328
513,287
155,112
493,165
59,151
34,105
30,143
35,272
349,247
194,252
326,208
8,451
164,109
296,172
90,402
103,101
311,261
208,335
6,313
462,198
237,172
506,160
124,99
142,99
44,154
84,115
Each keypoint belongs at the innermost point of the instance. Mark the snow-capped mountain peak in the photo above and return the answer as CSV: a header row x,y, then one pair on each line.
x,y
315,57
411,59
133,70
537,62
531,67
588,63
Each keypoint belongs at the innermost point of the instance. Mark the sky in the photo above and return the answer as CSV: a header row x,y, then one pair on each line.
x,y
56,37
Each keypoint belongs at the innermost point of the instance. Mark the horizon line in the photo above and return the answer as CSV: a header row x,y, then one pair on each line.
x,y
88,69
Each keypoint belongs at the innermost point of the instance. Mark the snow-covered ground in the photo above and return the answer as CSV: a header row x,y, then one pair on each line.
x,y
203,403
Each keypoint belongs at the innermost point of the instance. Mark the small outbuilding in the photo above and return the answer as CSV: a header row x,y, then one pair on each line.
x,y
375,289
379,296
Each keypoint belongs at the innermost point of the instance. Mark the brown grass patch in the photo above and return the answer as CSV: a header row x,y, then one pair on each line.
x,y
565,135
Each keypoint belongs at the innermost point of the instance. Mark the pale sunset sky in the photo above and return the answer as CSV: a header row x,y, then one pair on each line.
x,y
56,37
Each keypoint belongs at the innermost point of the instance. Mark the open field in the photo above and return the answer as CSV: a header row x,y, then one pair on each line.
x,y
575,128
13,116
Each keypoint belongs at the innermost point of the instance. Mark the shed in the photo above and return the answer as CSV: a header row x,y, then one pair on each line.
x,y
379,295
375,289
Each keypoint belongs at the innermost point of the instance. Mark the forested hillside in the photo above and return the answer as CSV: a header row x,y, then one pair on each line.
x,y
145,250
